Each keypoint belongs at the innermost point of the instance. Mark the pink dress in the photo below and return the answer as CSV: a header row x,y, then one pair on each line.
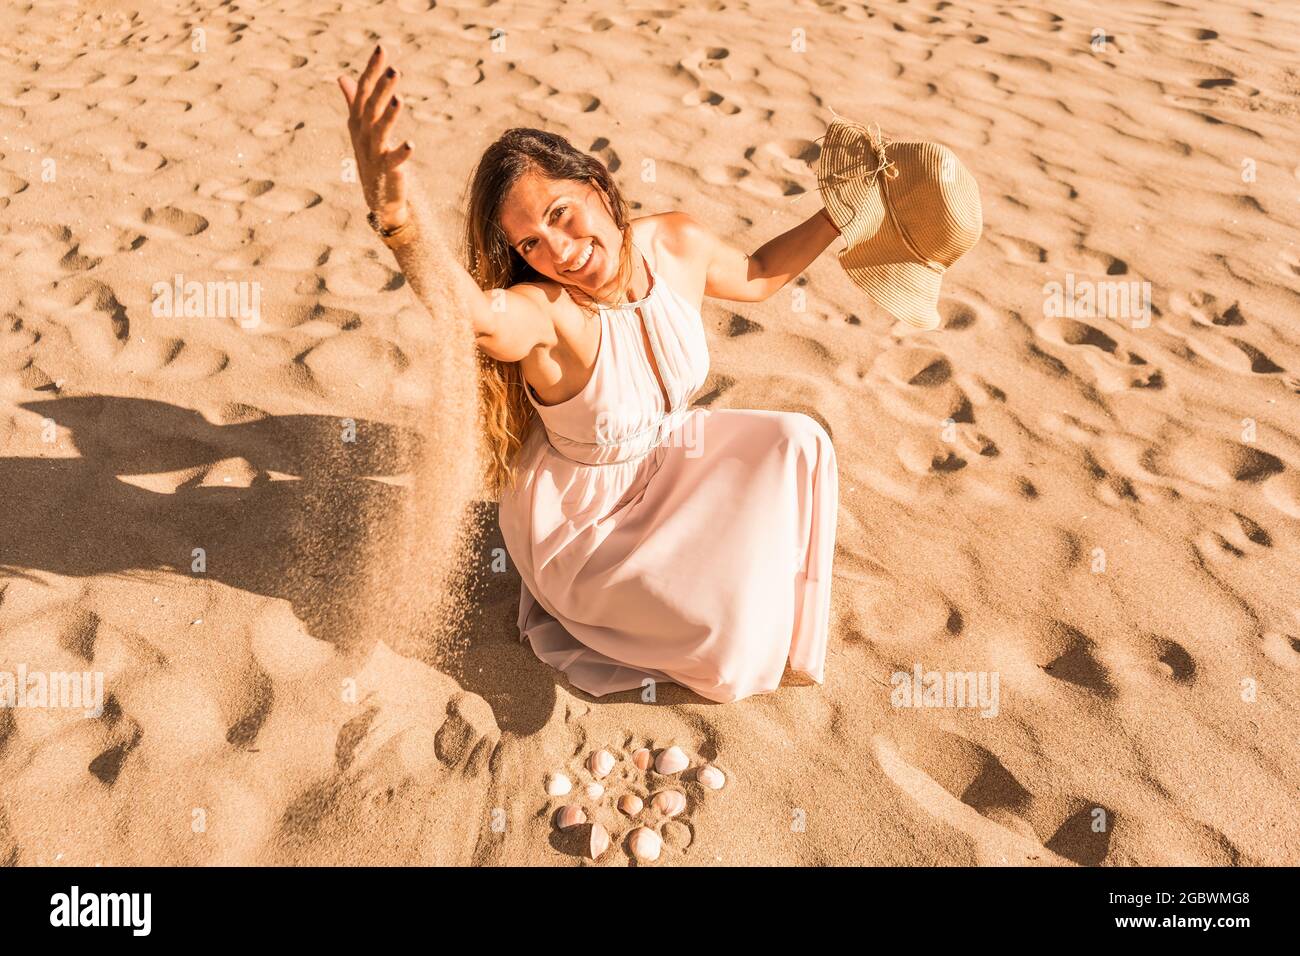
x,y
666,542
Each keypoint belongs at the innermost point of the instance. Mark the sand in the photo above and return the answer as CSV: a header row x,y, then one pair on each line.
x,y
1101,510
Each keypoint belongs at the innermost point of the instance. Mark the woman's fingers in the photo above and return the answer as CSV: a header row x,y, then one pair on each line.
x,y
369,76
373,111
394,158
380,97
386,123
349,88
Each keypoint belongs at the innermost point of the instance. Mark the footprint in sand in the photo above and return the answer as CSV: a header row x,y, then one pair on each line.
x,y
1047,21
1067,654
170,358
361,276
1230,535
967,786
1283,649
349,361
1160,657
1113,368
713,101
919,387
574,102
790,157
1282,491
10,185
296,256
167,222
1211,462
139,159
1018,250
264,194
1196,34
458,71
636,788
1289,263
269,129
1198,318
120,105
89,313
714,61
165,64
47,252
125,734
773,183
21,95
929,455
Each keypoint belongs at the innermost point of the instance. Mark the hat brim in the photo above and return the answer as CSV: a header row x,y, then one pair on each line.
x,y
909,291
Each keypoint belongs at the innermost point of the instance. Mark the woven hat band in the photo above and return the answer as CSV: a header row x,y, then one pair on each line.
x,y
906,211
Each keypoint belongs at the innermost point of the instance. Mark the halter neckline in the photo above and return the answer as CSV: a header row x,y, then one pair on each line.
x,y
654,287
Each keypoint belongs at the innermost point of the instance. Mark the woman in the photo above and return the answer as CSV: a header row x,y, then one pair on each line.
x,y
655,541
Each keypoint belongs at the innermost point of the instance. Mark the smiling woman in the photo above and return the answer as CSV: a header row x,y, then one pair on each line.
x,y
655,541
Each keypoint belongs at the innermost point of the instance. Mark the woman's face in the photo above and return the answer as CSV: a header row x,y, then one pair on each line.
x,y
557,225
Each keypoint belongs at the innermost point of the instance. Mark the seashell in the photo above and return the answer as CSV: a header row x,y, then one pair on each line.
x,y
672,760
558,785
570,816
597,841
630,804
642,759
595,791
600,763
669,802
645,844
711,777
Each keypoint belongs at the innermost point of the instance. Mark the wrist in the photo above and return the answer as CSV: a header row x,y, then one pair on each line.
x,y
394,218
392,222
827,216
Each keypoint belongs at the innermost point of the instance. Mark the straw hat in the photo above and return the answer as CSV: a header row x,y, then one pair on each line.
x,y
907,211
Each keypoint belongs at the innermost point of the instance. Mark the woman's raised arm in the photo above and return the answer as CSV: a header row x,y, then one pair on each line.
x,y
735,276
507,326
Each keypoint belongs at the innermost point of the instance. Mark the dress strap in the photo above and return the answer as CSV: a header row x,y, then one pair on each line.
x,y
654,284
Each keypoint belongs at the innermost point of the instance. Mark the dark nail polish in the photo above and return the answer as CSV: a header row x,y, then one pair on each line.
x,y
391,73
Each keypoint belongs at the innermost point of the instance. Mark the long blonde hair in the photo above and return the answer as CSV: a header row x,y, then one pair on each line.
x,y
506,412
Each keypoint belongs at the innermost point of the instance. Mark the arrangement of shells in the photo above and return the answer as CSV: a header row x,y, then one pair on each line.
x,y
644,842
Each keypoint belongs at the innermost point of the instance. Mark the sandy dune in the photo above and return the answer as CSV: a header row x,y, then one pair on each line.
x,y
1102,510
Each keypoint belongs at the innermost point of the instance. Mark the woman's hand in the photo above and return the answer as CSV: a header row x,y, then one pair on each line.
x,y
373,107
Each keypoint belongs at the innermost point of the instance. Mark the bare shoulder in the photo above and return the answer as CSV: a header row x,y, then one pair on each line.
x,y
681,244
676,231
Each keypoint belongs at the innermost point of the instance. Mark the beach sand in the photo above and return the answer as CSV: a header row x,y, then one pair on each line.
x,y
1101,511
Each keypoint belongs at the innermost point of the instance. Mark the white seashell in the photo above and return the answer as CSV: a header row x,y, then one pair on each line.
x,y
558,785
570,816
669,802
600,763
630,804
598,841
595,791
672,760
645,844
641,758
711,777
